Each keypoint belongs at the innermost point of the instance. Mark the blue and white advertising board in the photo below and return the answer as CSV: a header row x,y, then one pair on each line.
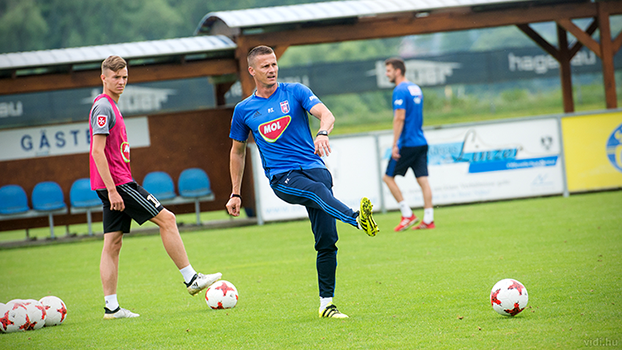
x,y
63,139
479,162
485,162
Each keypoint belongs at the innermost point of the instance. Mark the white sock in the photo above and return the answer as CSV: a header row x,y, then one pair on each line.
x,y
428,215
188,272
324,302
405,209
111,302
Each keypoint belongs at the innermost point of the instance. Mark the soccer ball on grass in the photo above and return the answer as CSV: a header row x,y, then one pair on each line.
x,y
55,309
508,297
13,317
36,314
221,295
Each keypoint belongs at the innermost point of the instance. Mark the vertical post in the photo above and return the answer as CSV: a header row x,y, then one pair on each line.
x,y
248,85
562,157
51,221
197,209
564,69
279,50
89,220
606,54
221,90
220,95
383,206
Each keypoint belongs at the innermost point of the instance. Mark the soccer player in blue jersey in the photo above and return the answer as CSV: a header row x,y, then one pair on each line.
x,y
410,148
276,115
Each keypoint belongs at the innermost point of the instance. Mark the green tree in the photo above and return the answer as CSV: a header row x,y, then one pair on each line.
x,y
22,26
54,24
338,52
96,22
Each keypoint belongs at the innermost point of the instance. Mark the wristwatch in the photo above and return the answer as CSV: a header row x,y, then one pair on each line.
x,y
322,133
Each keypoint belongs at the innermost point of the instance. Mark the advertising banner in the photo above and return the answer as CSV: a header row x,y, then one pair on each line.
x,y
512,64
484,162
481,162
353,164
593,150
56,140
73,105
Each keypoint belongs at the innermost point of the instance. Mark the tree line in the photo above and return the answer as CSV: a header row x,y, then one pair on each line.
x,y
27,25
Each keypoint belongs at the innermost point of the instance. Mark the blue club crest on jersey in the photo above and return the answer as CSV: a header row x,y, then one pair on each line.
x,y
285,107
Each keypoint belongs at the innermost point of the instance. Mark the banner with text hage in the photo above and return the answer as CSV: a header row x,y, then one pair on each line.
x,y
485,162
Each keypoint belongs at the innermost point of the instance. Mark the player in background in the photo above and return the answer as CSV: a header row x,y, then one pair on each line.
x,y
122,198
276,114
410,148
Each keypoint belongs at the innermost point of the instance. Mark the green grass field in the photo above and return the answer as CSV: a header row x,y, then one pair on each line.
x,y
405,290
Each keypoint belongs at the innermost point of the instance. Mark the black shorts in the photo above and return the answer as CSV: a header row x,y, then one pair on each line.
x,y
140,205
410,157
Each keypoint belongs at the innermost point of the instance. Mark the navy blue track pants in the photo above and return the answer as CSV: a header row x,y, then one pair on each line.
x,y
312,188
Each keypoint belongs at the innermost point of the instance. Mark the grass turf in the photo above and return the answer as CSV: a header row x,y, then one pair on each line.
x,y
402,290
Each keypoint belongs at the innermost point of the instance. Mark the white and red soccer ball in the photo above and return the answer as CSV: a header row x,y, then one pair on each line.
x,y
36,314
30,314
14,317
55,309
221,295
509,297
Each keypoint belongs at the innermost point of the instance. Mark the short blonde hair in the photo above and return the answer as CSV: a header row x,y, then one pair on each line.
x,y
258,51
114,63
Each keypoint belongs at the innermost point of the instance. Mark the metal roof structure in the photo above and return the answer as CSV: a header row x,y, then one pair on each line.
x,y
258,20
337,21
215,45
148,60
328,22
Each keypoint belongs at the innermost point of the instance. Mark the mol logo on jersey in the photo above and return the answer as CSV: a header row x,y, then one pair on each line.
x,y
272,130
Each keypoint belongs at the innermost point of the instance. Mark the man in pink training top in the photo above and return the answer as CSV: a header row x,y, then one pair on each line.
x,y
123,199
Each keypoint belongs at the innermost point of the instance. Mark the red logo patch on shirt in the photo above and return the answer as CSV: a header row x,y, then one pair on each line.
x,y
101,120
285,107
272,130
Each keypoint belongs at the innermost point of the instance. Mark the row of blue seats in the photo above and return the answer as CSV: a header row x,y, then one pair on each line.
x,y
48,199
193,184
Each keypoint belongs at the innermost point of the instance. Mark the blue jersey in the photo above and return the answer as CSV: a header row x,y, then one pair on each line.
x,y
280,126
408,96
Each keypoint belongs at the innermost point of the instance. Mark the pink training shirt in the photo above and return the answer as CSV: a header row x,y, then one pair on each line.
x,y
106,119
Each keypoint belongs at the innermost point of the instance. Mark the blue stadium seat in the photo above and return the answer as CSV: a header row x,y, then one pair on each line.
x,y
84,199
194,183
14,204
160,184
13,200
48,197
